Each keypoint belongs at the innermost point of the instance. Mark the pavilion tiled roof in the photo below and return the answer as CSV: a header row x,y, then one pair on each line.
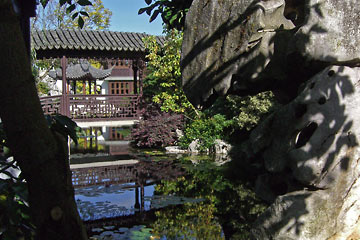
x,y
81,71
88,42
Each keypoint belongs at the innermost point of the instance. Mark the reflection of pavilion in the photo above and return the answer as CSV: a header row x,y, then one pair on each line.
x,y
141,173
110,140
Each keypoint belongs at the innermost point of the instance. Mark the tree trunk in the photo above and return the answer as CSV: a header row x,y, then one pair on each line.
x,y
41,154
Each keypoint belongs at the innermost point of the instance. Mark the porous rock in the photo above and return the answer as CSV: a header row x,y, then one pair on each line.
x,y
330,31
194,146
224,38
221,147
245,47
315,137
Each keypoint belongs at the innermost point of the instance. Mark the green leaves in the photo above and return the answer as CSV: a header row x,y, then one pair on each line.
x,y
84,2
81,22
154,16
70,8
206,130
172,12
74,13
63,125
163,83
15,219
63,2
248,111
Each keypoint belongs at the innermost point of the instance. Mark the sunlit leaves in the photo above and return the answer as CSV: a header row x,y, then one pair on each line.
x,y
163,83
248,111
206,130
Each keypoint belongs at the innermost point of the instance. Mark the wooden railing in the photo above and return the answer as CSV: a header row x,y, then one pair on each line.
x,y
93,107
51,104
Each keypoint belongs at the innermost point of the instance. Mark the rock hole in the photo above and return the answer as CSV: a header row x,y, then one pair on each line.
x,y
312,85
292,16
322,100
305,134
295,11
300,110
331,73
279,189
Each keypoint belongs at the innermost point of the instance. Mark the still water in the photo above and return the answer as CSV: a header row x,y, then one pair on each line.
x,y
123,193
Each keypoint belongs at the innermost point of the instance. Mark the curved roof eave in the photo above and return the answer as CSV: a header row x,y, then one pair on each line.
x,y
89,43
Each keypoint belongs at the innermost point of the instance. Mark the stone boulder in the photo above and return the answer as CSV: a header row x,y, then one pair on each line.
x,y
194,146
329,31
175,149
245,47
227,38
315,139
221,147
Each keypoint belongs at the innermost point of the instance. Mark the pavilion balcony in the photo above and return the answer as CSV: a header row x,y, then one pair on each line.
x,y
93,107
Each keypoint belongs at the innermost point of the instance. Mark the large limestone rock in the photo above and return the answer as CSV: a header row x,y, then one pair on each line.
x,y
248,46
315,137
330,31
310,147
224,38
314,134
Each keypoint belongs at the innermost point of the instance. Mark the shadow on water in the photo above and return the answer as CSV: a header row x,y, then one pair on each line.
x,y
313,140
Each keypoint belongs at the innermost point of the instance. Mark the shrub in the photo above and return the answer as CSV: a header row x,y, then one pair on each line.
x,y
207,130
250,110
156,129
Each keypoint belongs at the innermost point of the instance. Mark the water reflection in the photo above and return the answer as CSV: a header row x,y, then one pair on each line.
x,y
163,196
107,140
99,202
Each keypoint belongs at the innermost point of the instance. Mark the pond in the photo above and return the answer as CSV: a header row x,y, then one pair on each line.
x,y
153,195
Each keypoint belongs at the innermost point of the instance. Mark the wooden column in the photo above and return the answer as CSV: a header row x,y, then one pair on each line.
x,y
74,87
89,86
135,69
64,105
141,75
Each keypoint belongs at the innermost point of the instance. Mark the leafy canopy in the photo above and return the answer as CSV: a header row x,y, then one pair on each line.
x,y
71,14
163,82
172,12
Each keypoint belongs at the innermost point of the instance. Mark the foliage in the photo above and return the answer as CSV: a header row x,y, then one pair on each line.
x,y
156,129
206,129
172,12
15,221
245,112
88,15
39,71
231,198
163,82
249,110
190,221
63,125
